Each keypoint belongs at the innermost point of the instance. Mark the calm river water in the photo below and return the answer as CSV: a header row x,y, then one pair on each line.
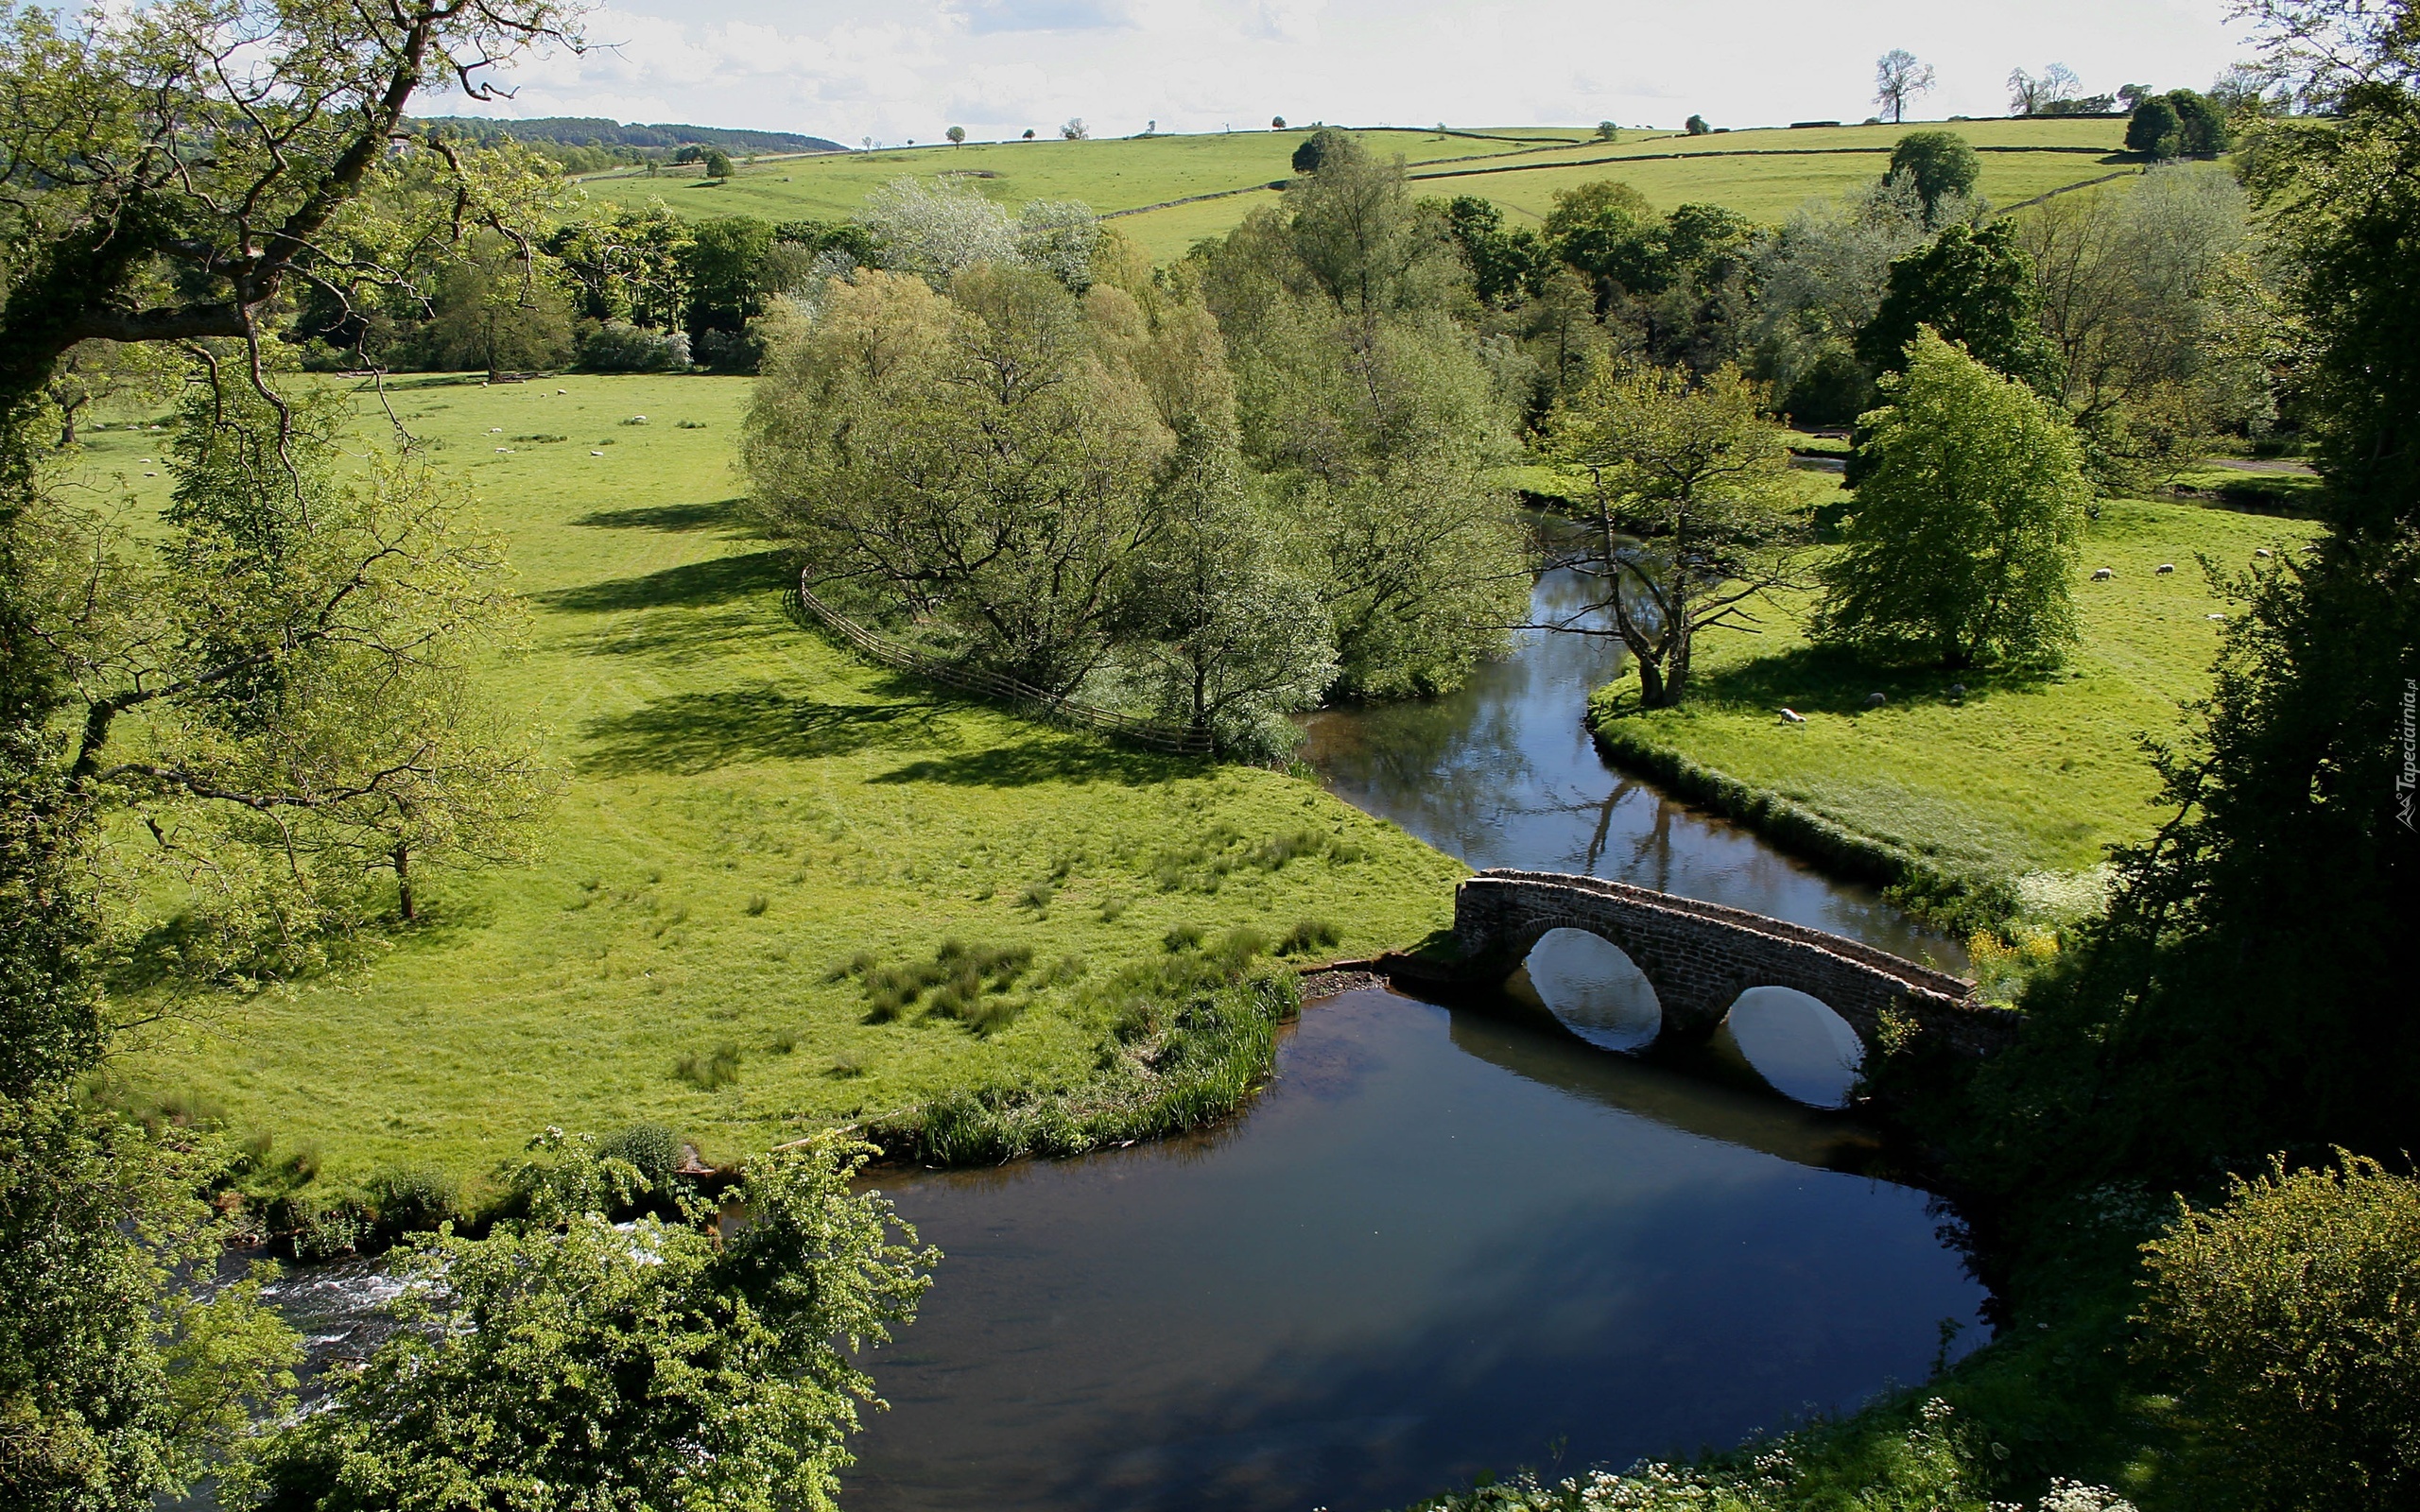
x,y
1440,1242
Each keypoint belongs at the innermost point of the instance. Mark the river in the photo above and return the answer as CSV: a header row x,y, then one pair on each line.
x,y
1442,1241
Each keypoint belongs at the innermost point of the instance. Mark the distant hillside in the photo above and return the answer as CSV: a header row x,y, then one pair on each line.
x,y
597,131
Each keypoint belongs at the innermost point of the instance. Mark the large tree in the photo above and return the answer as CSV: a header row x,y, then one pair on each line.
x,y
1694,512
1964,534
1898,78
1971,287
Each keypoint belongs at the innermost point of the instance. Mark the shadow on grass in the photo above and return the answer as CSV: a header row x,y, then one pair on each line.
x,y
697,585
1047,757
667,517
692,732
1836,680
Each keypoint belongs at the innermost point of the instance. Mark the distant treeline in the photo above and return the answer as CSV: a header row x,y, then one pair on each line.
x,y
605,142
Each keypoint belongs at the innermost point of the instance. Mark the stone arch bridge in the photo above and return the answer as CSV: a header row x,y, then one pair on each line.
x,y
1699,957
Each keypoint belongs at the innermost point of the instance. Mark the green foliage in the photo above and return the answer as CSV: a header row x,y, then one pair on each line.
x,y
2200,126
649,1365
1971,287
412,1199
1966,532
2240,997
1941,164
498,308
720,263
1695,510
280,692
113,1388
2153,130
2289,1318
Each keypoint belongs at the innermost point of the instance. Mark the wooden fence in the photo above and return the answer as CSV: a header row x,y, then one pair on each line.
x,y
1025,696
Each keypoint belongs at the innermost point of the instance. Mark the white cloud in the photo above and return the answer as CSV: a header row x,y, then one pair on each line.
x,y
998,66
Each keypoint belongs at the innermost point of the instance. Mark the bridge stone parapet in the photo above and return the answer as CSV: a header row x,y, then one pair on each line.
x,y
1701,956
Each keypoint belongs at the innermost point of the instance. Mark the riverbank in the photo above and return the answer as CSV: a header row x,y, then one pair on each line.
x,y
1991,806
765,842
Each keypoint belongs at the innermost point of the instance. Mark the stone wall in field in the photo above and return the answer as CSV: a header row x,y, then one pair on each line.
x,y
1701,956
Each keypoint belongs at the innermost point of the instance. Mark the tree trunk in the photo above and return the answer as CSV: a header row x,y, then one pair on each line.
x,y
404,884
1651,693
67,426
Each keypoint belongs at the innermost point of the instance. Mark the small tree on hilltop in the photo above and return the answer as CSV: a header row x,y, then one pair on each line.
x,y
1940,163
1074,130
1277,122
1968,521
1697,126
1607,132
956,134
1898,78
1029,133
1694,511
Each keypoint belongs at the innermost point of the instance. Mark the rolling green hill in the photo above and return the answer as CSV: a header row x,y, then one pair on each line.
x,y
1763,173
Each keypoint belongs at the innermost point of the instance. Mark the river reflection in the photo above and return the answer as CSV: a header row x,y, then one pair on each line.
x,y
1504,774
1439,1242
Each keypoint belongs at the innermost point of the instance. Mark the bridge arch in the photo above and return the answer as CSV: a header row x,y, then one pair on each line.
x,y
1795,1041
1699,957
1593,988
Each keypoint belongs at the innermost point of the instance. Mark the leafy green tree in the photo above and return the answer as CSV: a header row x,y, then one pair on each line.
x,y
627,265
1971,287
279,694
1697,126
987,460
2154,128
497,309
1940,163
1227,636
2289,1318
1695,514
723,264
956,135
1965,533
716,163
641,1367
1313,150
99,372
2200,127
2244,995
1506,266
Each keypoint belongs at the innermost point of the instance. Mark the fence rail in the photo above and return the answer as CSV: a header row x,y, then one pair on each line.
x,y
1065,711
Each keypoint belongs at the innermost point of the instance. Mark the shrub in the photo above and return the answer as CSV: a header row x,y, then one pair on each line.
x,y
318,1229
652,1148
411,1199
619,346
756,905
2290,1317
1182,937
1036,896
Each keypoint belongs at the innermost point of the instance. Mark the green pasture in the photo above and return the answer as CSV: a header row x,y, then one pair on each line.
x,y
747,807
1763,173
2028,772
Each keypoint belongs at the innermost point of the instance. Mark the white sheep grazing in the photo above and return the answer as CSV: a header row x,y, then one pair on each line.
x,y
1791,717
2262,551
596,453
2214,616
2102,575
2168,567
1874,700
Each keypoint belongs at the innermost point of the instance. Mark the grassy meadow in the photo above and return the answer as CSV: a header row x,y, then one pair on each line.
x,y
2030,775
1763,174
748,806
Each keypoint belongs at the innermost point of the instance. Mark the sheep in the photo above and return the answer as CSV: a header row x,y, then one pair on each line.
x,y
1874,700
2262,551
2102,575
2167,567
596,453
1958,690
1791,717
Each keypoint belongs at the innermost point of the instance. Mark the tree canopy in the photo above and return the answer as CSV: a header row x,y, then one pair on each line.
x,y
1966,527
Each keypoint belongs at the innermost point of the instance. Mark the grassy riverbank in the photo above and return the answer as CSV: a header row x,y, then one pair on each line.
x,y
749,808
2023,781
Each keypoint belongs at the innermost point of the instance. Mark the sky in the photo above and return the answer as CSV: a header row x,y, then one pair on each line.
x,y
997,67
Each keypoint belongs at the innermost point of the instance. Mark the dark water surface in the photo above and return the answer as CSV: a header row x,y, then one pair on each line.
x,y
1438,1242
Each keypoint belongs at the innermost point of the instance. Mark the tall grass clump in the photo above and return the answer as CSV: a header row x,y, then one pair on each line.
x,y
968,984
707,1070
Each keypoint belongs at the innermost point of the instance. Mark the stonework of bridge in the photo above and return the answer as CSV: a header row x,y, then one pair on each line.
x,y
1701,956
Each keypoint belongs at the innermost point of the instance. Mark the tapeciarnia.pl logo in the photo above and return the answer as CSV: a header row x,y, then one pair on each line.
x,y
2407,781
